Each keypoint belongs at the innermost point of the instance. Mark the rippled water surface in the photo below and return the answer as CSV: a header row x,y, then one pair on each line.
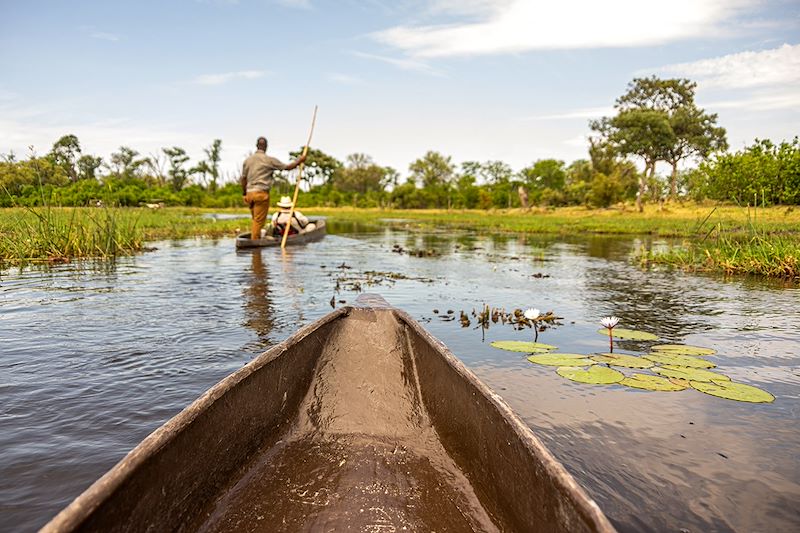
x,y
93,357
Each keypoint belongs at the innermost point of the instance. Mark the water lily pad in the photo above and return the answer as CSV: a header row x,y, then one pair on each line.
x,y
629,334
657,383
689,373
676,359
561,359
522,346
734,391
600,375
683,349
627,361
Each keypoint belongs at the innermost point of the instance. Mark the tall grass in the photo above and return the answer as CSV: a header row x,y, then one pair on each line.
x,y
756,249
57,235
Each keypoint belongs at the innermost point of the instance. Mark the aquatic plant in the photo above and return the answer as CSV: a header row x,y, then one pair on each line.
x,y
609,322
532,314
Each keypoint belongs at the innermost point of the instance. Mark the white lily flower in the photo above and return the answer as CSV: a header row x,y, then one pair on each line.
x,y
531,314
609,321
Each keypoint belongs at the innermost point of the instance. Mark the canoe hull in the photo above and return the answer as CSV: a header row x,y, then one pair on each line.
x,y
243,240
359,420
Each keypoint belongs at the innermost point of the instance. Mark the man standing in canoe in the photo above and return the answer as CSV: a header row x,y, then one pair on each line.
x,y
257,180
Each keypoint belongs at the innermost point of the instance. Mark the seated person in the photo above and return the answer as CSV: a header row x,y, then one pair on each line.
x,y
300,223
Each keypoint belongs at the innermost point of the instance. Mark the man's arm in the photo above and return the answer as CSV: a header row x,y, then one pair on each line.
x,y
294,164
243,180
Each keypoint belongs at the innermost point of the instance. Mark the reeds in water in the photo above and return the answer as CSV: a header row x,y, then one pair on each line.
x,y
60,234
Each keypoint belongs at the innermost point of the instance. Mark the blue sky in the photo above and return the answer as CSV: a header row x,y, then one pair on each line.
x,y
515,80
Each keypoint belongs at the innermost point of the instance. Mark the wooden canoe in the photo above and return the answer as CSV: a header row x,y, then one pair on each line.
x,y
361,421
243,240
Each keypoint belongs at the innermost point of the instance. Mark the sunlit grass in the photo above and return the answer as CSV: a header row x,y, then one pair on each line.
x,y
48,234
775,256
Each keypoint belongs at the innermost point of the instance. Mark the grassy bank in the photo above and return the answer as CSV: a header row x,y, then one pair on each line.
x,y
727,239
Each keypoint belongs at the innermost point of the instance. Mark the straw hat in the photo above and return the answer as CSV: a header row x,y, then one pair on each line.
x,y
285,202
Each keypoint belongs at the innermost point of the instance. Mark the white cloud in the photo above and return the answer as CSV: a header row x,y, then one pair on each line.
x,y
778,66
582,113
225,77
105,36
405,64
511,26
765,80
344,79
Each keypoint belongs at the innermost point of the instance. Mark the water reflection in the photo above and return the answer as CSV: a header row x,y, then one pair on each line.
x,y
257,302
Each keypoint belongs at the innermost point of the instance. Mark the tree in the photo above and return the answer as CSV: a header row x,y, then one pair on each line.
x,y
696,135
65,154
645,133
211,163
361,175
124,164
689,130
177,174
435,172
87,167
319,166
545,174
433,169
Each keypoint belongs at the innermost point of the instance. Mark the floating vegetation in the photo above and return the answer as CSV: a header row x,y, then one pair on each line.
x,y
515,318
430,252
627,361
684,349
654,383
672,358
561,359
689,373
629,334
596,375
734,391
522,346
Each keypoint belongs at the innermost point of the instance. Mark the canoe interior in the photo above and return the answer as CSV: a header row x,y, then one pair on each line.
x,y
243,240
361,421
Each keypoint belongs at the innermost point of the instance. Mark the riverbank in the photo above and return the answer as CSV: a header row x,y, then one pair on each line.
x,y
725,239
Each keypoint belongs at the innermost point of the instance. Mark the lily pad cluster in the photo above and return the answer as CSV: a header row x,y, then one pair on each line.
x,y
674,367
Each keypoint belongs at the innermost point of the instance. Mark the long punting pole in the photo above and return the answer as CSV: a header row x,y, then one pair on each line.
x,y
297,186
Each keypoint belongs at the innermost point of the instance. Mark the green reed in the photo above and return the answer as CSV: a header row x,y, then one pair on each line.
x,y
57,235
753,249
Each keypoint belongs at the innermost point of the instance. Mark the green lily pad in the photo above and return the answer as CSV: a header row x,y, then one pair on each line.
x,y
629,334
600,375
648,382
522,346
689,373
676,359
561,359
683,349
734,391
627,361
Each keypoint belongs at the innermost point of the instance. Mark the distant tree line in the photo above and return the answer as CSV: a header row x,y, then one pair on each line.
x,y
655,121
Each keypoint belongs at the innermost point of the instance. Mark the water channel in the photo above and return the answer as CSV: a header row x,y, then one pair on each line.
x,y
95,356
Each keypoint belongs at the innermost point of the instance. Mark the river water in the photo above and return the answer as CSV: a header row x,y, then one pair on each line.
x,y
95,356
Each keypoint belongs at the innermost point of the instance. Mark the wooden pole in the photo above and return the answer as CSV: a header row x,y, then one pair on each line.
x,y
297,185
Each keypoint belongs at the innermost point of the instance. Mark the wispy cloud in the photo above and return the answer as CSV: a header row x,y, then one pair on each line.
x,y
225,77
402,63
778,66
104,36
344,79
764,80
512,26
582,113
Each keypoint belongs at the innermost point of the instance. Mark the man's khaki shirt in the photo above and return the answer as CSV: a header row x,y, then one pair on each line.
x,y
258,169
